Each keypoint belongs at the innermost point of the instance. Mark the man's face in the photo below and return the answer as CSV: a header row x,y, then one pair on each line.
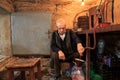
x,y
61,29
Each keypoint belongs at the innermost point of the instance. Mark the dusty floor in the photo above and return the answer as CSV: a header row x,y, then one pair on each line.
x,y
47,73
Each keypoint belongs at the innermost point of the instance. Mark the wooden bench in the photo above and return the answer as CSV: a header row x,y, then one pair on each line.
x,y
24,64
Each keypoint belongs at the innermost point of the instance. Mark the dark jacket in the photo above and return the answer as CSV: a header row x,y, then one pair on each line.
x,y
68,45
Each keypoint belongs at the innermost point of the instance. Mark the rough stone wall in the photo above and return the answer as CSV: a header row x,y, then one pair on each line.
x,y
59,8
66,9
5,34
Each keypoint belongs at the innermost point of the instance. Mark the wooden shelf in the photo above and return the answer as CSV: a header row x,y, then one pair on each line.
x,y
102,31
111,28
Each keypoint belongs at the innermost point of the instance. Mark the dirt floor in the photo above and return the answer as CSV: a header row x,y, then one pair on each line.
x,y
47,72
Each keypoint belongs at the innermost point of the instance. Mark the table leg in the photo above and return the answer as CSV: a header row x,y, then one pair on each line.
x,y
11,74
31,71
39,71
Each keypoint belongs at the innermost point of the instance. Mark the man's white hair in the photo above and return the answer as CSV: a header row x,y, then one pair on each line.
x,y
60,21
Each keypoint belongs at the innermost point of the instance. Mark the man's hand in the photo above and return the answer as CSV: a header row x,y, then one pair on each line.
x,y
61,55
80,49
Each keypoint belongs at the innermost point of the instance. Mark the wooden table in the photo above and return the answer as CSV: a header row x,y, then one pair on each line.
x,y
24,64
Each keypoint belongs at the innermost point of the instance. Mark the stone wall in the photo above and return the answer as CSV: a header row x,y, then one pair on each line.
x,y
5,33
67,9
60,9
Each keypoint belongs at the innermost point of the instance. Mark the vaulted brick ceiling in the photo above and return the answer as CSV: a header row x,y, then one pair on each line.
x,y
60,1
17,4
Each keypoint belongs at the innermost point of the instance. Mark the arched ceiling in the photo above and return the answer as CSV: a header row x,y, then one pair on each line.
x,y
16,3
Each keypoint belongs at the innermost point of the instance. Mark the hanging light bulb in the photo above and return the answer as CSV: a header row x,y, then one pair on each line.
x,y
82,3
